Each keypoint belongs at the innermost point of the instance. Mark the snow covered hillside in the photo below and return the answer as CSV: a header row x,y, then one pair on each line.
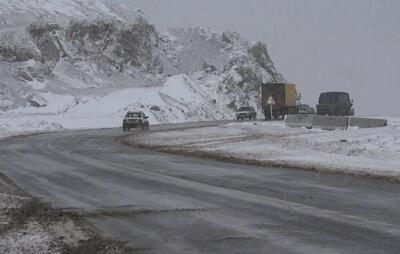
x,y
88,62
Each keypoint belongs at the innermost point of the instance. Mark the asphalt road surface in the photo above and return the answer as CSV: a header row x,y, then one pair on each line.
x,y
163,203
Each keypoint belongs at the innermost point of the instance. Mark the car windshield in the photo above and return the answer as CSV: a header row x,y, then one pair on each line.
x,y
133,114
246,109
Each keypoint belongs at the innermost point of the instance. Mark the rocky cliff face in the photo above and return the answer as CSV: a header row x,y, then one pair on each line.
x,y
88,50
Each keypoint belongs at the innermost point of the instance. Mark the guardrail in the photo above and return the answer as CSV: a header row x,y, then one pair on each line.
x,y
362,123
332,122
299,120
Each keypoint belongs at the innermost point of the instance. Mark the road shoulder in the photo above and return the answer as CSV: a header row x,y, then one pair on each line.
x,y
29,226
271,144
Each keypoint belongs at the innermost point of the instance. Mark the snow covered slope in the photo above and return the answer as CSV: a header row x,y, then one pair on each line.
x,y
24,12
80,59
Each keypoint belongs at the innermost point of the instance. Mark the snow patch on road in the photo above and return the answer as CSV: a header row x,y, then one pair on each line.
x,y
32,239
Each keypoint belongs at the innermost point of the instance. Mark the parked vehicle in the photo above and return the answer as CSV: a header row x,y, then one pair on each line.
x,y
335,104
246,113
135,120
305,109
281,97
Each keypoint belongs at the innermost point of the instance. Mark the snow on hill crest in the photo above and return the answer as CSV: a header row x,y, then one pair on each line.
x,y
62,11
101,54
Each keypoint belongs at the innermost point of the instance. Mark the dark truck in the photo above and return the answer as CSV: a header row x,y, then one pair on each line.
x,y
335,104
283,97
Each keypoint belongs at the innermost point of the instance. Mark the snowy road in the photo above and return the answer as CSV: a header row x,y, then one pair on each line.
x,y
163,203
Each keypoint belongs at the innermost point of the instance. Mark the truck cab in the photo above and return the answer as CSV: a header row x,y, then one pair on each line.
x,y
335,104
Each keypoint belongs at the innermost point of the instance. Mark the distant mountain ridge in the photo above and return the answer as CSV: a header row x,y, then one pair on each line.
x,y
88,51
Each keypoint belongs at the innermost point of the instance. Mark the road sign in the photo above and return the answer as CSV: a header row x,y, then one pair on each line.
x,y
271,101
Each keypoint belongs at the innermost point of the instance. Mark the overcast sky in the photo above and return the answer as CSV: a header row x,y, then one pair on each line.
x,y
321,45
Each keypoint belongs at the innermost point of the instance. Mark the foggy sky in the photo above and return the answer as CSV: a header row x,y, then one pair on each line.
x,y
321,45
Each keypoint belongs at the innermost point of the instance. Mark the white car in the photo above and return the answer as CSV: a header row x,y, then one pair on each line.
x,y
305,109
246,113
135,120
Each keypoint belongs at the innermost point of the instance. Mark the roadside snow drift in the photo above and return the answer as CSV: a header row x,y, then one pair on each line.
x,y
374,152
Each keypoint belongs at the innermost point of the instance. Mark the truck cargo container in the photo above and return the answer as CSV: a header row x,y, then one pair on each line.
x,y
284,97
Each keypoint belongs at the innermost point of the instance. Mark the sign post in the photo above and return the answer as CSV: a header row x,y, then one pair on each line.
x,y
271,102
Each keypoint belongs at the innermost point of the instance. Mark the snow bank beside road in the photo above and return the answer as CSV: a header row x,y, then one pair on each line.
x,y
29,226
11,127
183,98
374,152
25,229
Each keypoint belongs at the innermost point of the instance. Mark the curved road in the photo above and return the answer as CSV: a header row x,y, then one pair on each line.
x,y
163,203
